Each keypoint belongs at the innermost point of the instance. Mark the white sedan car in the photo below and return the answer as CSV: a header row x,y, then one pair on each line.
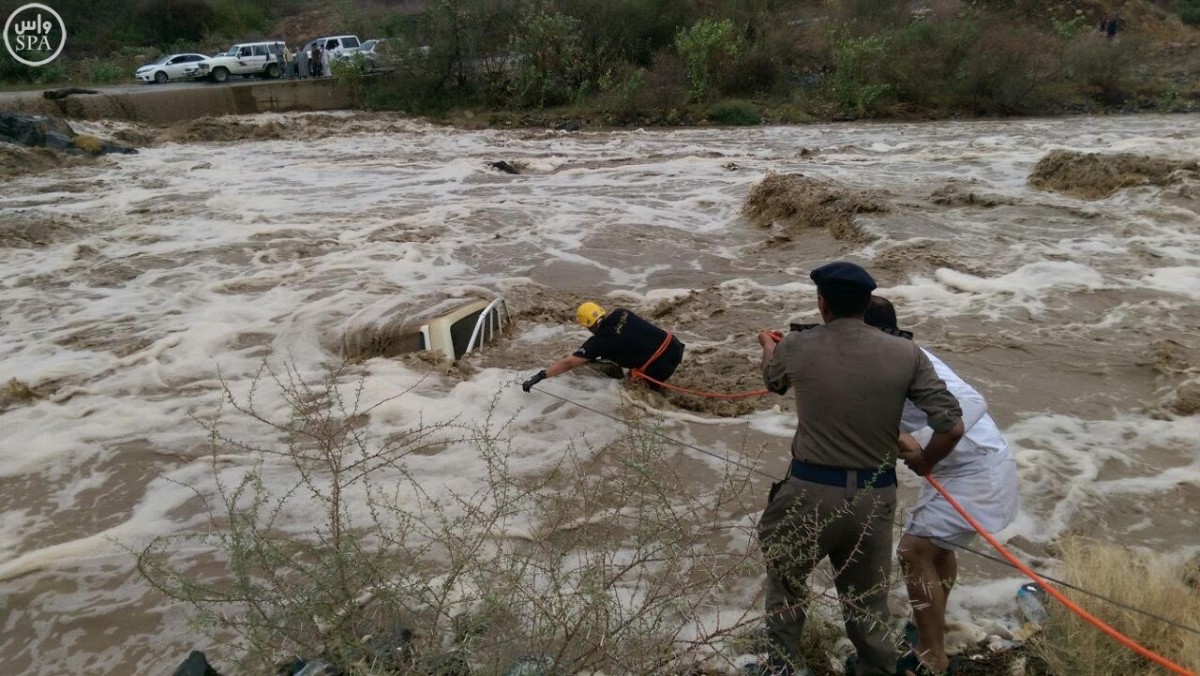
x,y
171,67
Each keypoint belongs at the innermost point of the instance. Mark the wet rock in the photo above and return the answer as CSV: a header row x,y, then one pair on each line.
x,y
570,125
31,130
196,664
504,166
56,141
50,132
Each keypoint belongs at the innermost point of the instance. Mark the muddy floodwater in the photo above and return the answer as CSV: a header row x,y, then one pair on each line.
x,y
1067,292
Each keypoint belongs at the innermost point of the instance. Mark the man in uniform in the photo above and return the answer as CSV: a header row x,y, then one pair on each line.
x,y
981,474
621,337
839,499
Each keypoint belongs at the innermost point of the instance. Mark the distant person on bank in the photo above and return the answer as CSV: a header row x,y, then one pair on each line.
x,y
621,337
314,62
980,473
851,381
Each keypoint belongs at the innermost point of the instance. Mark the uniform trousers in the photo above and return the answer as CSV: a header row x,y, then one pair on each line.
x,y
805,522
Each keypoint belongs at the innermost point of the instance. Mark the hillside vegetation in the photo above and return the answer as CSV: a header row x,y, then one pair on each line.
x,y
664,61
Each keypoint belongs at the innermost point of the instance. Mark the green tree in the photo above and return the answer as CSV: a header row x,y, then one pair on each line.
x,y
550,49
709,49
858,63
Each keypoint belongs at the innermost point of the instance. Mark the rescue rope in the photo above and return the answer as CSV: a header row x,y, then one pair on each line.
x,y
635,375
1059,596
640,374
1068,585
1010,559
735,463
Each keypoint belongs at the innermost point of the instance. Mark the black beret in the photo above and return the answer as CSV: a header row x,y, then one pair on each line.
x,y
842,273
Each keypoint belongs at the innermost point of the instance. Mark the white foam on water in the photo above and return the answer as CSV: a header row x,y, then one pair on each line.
x,y
179,275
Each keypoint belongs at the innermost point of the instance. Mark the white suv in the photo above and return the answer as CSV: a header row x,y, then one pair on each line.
x,y
338,46
246,59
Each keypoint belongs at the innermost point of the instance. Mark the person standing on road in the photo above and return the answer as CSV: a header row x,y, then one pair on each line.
x,y
621,337
315,61
302,63
281,59
851,382
980,473
325,69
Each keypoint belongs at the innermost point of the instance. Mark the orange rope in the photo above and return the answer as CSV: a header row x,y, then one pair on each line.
x,y
657,353
1088,617
634,375
638,373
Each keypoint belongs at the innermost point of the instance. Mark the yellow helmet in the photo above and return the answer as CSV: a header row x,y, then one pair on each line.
x,y
589,314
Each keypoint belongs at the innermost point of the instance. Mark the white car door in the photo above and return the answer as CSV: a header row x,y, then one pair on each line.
x,y
174,67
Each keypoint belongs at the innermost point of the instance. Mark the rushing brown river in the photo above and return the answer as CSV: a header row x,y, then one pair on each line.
x,y
130,289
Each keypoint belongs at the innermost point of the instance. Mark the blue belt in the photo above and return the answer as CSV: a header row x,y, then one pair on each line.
x,y
833,476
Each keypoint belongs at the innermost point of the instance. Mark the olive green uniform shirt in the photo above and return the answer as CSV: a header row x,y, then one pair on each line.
x,y
851,381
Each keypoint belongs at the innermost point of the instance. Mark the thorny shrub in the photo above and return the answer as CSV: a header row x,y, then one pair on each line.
x,y
322,542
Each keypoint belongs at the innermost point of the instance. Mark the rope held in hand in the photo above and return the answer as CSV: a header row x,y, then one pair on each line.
x,y
1088,617
1009,559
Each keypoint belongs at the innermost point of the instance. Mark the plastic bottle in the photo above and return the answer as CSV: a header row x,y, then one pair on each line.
x,y
1030,599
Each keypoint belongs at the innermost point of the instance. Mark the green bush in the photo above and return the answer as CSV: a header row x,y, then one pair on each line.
x,y
1102,69
735,113
104,72
666,84
51,73
553,68
1009,72
925,60
857,84
709,49
620,93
